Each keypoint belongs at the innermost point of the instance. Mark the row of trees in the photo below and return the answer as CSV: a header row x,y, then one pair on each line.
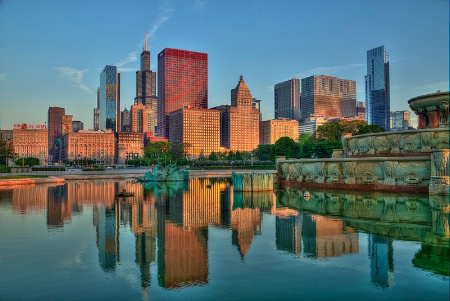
x,y
328,137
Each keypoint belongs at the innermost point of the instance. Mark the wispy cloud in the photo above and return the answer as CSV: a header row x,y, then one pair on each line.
x,y
131,58
200,4
73,75
330,70
166,13
2,75
433,87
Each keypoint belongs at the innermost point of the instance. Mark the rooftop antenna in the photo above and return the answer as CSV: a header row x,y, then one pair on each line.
x,y
146,42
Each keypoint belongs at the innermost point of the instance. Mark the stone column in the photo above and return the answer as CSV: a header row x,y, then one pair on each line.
x,y
440,176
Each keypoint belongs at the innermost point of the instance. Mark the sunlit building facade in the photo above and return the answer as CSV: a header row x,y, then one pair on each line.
x,y
378,87
130,146
182,81
109,117
240,121
272,130
31,143
198,129
98,146
401,120
287,99
329,96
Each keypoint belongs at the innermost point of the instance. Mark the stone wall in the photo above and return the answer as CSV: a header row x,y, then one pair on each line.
x,y
376,173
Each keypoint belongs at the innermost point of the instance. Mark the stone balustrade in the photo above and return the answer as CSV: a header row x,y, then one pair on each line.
x,y
401,143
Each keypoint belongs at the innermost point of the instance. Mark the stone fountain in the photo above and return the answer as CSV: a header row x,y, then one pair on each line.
x,y
403,161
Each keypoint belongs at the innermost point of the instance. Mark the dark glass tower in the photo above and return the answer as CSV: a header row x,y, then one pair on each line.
x,y
377,87
145,80
287,99
109,99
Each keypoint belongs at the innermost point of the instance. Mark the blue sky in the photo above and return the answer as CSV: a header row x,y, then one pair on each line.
x,y
52,51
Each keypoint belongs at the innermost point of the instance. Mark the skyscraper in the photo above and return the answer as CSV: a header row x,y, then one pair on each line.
x,y
329,96
287,99
54,123
109,99
145,79
182,81
377,87
239,128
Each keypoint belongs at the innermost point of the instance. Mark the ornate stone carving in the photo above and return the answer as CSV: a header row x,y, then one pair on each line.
x,y
349,172
388,168
412,178
381,145
284,171
309,177
353,145
426,141
440,163
335,177
443,113
368,178
409,147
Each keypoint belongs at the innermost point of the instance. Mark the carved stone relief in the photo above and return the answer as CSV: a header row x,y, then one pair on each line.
x,y
388,168
368,178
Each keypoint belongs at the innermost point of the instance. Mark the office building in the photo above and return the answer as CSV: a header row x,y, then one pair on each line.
x,y
182,81
361,109
378,87
96,119
240,121
130,146
287,99
198,129
109,117
310,124
272,130
328,96
31,141
125,120
54,123
77,125
6,135
401,120
85,145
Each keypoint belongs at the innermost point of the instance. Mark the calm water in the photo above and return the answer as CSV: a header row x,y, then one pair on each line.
x,y
201,241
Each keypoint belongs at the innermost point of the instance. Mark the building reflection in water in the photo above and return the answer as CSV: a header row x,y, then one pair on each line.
x,y
175,217
381,254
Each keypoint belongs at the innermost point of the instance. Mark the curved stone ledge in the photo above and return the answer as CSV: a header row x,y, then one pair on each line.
x,y
400,143
378,173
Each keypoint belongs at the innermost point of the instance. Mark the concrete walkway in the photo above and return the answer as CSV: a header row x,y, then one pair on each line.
x,y
59,177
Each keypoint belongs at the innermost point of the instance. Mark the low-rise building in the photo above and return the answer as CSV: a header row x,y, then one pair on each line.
x,y
31,141
86,145
272,130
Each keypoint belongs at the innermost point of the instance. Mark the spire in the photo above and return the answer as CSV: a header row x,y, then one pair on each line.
x,y
146,42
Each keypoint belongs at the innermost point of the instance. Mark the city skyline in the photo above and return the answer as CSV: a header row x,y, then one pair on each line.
x,y
53,55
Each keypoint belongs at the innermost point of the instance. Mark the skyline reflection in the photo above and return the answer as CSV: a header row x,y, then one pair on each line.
x,y
171,223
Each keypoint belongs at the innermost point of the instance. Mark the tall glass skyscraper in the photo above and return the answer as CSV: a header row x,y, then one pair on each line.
x,y
109,99
287,99
378,88
182,82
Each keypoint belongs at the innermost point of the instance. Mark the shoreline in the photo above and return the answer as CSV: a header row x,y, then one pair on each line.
x,y
61,178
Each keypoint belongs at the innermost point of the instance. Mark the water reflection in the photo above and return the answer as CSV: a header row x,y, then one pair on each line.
x,y
171,223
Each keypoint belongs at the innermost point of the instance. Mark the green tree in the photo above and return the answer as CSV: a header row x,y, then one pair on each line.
x,y
287,147
159,151
6,151
262,152
213,156
183,150
28,161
